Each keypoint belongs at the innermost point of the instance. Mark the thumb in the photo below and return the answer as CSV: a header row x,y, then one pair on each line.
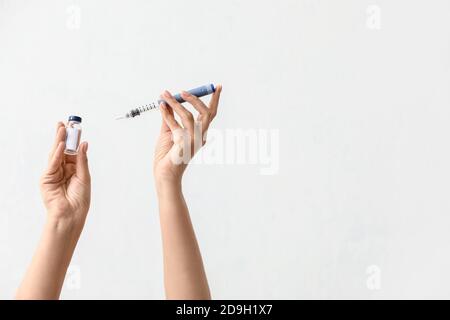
x,y
82,163
56,159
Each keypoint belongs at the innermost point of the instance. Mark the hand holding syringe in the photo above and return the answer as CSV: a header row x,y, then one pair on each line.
x,y
178,141
66,191
198,92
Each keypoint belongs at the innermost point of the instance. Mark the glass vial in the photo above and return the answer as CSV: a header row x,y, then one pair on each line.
x,y
73,135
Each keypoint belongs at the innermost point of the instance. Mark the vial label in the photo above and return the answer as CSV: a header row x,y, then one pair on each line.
x,y
73,136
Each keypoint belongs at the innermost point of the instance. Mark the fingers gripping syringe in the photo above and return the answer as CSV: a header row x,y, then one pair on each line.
x,y
198,92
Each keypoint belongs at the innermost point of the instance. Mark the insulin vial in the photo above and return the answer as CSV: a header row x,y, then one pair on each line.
x,y
73,135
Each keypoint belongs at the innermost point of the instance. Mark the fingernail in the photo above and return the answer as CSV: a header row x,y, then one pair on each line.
x,y
185,93
86,146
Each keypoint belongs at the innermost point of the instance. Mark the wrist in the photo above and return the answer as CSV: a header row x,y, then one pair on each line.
x,y
168,178
63,224
168,187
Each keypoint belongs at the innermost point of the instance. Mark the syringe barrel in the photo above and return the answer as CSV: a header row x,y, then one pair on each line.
x,y
198,92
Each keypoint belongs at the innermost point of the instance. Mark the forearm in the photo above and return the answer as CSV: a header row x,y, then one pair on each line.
x,y
45,275
184,275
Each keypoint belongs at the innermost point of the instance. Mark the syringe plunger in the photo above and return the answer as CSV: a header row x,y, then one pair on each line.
x,y
198,92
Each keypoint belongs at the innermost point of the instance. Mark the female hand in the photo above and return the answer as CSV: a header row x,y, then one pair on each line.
x,y
66,183
177,144
66,191
184,274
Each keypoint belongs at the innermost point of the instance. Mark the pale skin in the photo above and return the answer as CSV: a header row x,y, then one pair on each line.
x,y
184,274
66,193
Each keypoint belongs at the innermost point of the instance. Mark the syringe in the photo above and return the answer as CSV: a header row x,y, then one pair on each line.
x,y
198,92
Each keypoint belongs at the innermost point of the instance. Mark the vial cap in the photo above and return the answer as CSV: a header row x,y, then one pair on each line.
x,y
75,118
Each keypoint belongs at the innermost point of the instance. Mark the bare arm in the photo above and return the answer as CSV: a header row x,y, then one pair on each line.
x,y
184,274
65,188
45,275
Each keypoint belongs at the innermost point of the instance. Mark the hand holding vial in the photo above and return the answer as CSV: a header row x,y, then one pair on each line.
x,y
66,183
66,192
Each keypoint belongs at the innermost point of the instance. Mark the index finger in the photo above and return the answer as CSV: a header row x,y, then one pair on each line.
x,y
187,119
214,103
60,136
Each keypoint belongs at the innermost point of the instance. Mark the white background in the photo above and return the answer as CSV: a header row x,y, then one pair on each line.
x,y
363,120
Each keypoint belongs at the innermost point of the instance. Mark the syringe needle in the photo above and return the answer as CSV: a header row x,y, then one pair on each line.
x,y
120,117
